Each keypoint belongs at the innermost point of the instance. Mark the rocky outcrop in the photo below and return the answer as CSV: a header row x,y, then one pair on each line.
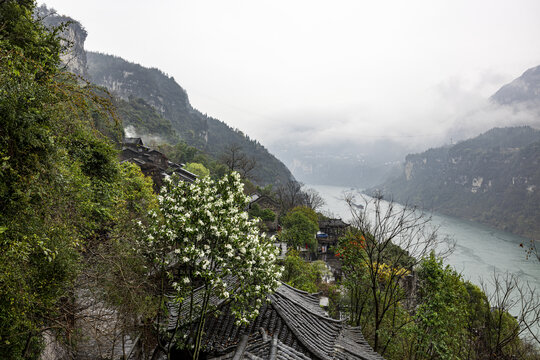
x,y
74,36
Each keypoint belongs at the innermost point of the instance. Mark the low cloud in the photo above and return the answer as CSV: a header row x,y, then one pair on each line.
x,y
148,139
450,111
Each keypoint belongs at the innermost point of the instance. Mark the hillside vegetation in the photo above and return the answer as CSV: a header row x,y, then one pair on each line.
x,y
493,178
140,86
86,252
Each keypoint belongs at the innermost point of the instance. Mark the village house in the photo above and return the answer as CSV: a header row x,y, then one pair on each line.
x,y
330,231
152,162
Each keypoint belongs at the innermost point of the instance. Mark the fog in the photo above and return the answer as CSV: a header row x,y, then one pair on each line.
x,y
332,76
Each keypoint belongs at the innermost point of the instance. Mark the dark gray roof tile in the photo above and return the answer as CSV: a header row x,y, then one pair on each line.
x,y
295,319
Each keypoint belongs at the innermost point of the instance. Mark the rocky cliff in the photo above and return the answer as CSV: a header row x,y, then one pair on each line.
x,y
493,178
74,36
129,80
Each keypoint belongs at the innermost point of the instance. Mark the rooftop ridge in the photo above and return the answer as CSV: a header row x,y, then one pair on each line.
x,y
301,337
319,315
299,290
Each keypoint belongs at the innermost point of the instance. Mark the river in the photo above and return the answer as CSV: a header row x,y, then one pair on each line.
x,y
479,251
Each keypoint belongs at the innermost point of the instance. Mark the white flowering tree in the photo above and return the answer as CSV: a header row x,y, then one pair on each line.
x,y
203,232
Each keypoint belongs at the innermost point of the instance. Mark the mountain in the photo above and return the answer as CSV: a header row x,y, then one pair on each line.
x,y
153,105
146,87
523,90
493,178
368,162
129,80
345,163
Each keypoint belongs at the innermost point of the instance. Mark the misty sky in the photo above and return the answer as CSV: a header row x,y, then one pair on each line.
x,y
310,71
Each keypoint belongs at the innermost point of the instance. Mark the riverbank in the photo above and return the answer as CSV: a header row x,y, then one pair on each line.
x,y
480,250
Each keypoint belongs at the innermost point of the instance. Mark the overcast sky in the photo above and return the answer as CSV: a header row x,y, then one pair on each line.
x,y
308,71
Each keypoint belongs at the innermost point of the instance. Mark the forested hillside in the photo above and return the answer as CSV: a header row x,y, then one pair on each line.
x,y
86,256
95,264
67,205
493,178
138,85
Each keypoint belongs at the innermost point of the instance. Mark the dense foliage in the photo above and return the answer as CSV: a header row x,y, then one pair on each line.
x,y
63,192
441,317
302,274
73,265
197,169
440,329
411,306
427,311
263,214
300,226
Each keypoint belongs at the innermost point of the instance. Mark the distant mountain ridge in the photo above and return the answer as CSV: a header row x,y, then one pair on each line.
x,y
493,178
523,90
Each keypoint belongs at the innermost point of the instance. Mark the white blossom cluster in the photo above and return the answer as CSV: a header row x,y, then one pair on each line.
x,y
203,228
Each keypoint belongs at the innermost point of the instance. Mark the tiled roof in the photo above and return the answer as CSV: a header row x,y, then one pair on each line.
x,y
332,223
258,198
261,346
151,159
185,175
295,318
133,141
232,285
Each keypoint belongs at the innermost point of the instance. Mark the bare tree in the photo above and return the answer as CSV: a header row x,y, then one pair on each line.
x,y
246,167
386,242
515,314
290,195
313,199
236,160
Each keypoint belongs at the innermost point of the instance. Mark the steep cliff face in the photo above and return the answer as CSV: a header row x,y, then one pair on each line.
x,y
74,36
153,104
125,79
493,178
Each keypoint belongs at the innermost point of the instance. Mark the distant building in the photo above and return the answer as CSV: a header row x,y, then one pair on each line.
x,y
266,202
329,233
